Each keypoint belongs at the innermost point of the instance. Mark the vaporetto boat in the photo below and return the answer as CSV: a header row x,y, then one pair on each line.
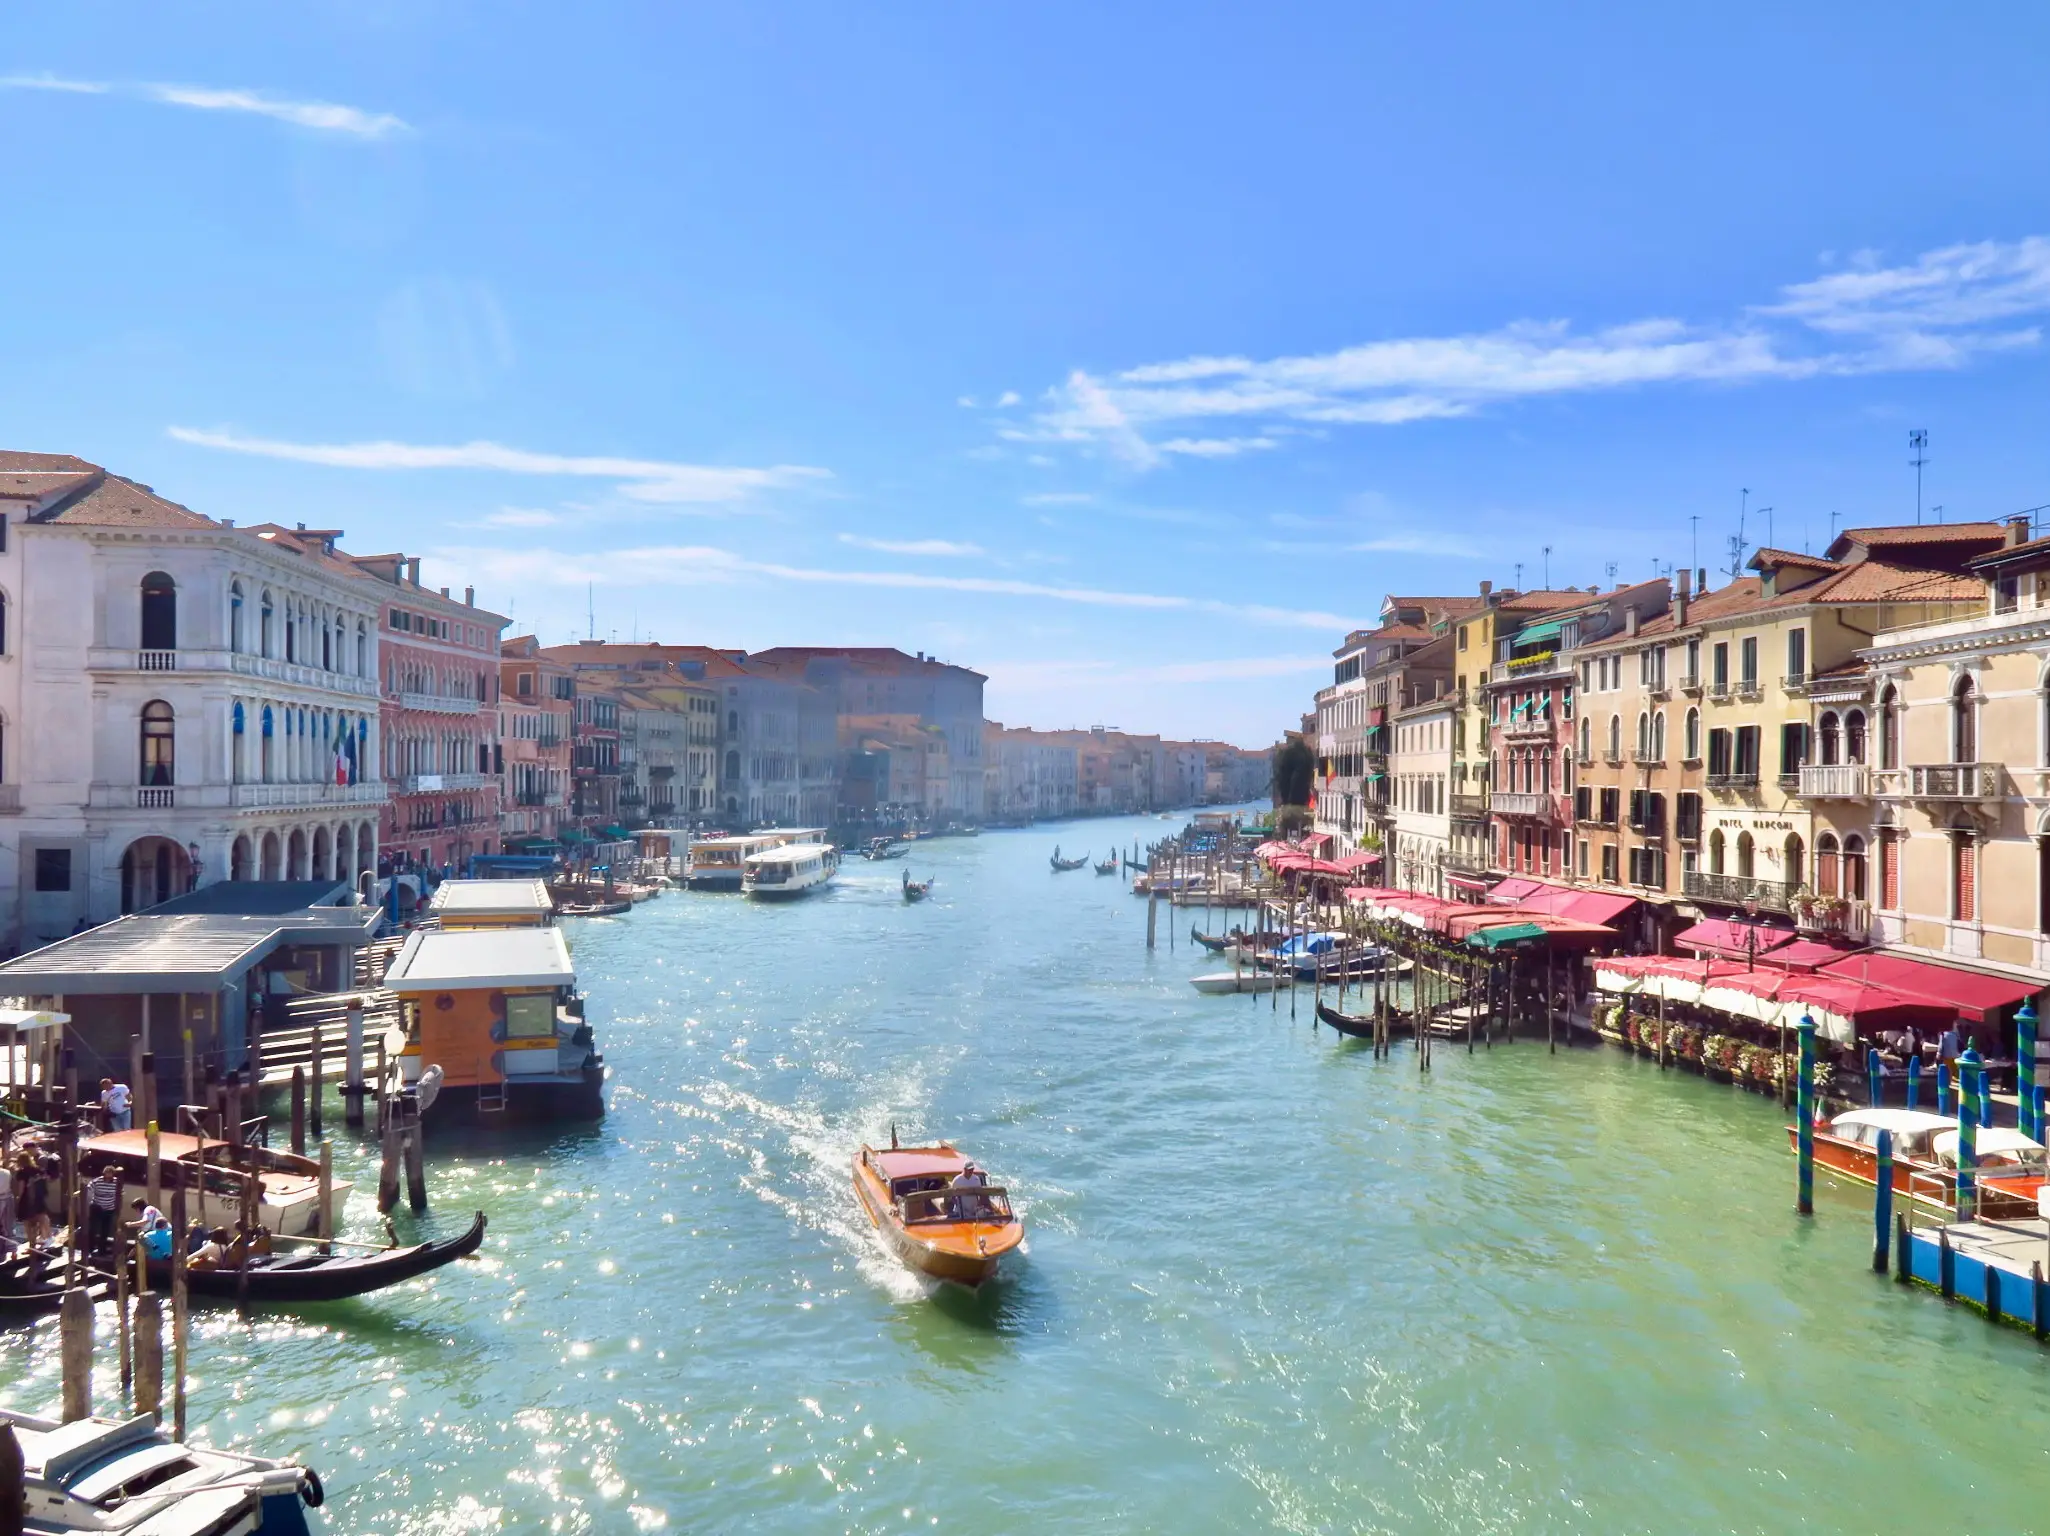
x,y
782,873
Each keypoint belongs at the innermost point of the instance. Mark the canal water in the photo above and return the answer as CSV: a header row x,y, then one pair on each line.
x,y
1270,1283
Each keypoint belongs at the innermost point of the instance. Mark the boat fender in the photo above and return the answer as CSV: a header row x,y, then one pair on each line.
x,y
429,1086
310,1491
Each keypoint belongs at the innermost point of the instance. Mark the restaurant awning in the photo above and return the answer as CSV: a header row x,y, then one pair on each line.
x,y
1515,888
1504,933
1467,882
1730,939
1803,955
1537,634
1969,994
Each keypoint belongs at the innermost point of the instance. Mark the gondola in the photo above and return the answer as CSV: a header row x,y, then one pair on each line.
x,y
1215,944
1108,867
1061,865
309,1276
916,890
1361,1025
594,909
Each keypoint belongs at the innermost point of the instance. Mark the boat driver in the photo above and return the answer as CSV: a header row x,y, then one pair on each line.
x,y
969,1207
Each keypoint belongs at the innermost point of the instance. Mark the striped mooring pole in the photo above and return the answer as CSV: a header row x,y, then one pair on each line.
x,y
1985,1097
1943,1087
1874,1092
1804,1118
1915,1081
2028,1072
1967,1131
1882,1203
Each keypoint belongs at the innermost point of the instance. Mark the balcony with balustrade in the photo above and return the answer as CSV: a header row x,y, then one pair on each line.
x,y
1739,891
1528,728
1528,806
109,659
1954,783
1835,781
1470,807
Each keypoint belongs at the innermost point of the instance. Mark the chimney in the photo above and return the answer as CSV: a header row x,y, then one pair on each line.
x,y
1486,586
2017,530
413,570
444,591
227,522
1681,592
1701,581
469,597
1630,621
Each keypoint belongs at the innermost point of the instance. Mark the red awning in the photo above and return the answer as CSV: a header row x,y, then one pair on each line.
x,y
1467,882
1354,861
1968,994
1600,907
1515,888
1731,939
1805,955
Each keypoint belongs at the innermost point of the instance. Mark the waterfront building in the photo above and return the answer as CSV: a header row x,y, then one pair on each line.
x,y
1420,780
594,759
1531,706
1036,774
183,701
1949,791
1756,664
536,708
895,768
439,663
867,681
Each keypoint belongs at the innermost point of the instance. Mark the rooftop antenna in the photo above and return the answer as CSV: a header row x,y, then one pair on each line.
x,y
590,613
1736,555
1833,516
1770,541
1548,567
1694,539
1609,570
1519,575
1937,512
1918,445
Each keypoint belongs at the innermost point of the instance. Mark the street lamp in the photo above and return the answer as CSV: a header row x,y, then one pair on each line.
x,y
1751,936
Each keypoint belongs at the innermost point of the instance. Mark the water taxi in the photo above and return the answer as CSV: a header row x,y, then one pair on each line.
x,y
794,870
934,1213
464,904
498,1011
715,863
97,1474
214,1176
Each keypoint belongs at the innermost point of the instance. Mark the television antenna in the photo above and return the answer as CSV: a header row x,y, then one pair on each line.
x,y
1766,513
1918,444
1937,512
1694,538
1548,567
1609,570
1519,575
1736,555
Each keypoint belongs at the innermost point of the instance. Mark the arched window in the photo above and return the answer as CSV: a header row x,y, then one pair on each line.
x,y
235,640
327,648
1828,739
1643,735
159,745
264,646
1658,737
1964,722
1715,852
362,650
1826,864
1889,728
1586,738
159,613
1964,872
732,767
1746,860
1615,737
1693,733
1795,856
1854,867
1854,736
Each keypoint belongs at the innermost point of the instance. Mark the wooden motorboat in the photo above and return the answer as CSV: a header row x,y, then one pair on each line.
x,y
1061,865
594,908
1849,1145
916,890
1241,981
951,1231
303,1275
1361,1025
97,1474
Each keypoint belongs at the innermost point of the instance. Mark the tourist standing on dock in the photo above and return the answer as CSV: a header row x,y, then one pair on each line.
x,y
103,1200
116,1104
32,1195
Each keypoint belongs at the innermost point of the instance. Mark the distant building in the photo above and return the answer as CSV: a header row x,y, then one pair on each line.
x,y
536,721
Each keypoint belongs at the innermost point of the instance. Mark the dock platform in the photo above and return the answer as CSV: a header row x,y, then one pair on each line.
x,y
1997,1265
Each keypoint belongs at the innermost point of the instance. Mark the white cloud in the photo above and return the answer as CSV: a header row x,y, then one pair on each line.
x,y
521,517
673,565
1057,499
966,402
1009,397
911,546
651,480
321,116
1938,311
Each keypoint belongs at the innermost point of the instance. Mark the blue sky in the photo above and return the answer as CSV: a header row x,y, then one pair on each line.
x,y
1126,353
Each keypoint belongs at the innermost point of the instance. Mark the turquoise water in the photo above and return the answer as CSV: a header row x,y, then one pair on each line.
x,y
1270,1283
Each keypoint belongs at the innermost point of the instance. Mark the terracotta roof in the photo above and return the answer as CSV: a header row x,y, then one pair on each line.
x,y
1769,557
1876,581
1545,602
117,503
15,461
41,484
1924,533
1443,604
2028,548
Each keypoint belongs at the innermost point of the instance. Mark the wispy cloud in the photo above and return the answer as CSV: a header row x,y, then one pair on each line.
x,y
1035,675
1057,499
671,565
521,517
650,480
1939,311
320,116
911,546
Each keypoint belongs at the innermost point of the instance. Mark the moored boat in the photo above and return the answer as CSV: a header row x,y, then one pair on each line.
x,y
934,1214
214,1175
305,1275
97,1474
1241,981
1215,944
1361,1025
1849,1145
1107,867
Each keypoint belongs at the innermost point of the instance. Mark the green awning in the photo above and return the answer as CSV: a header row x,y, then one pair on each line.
x,y
1534,634
1508,933
617,834
572,835
1372,777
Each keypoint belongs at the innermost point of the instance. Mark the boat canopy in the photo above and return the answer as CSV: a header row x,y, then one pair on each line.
x,y
483,957
1997,1141
491,898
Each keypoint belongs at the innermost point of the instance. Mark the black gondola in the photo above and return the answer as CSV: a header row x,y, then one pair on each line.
x,y
1361,1025
1061,865
1107,867
309,1276
916,890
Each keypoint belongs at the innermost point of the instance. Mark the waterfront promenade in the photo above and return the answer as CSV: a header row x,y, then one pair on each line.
x,y
1271,1284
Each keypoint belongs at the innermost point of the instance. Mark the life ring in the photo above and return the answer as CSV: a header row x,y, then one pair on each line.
x,y
309,1488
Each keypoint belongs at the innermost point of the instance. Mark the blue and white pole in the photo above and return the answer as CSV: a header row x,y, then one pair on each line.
x,y
1915,1081
1804,1118
2025,1108
1874,1093
1967,1131
1943,1087
1882,1204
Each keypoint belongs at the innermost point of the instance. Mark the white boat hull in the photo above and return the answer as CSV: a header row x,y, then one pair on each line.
x,y
1239,981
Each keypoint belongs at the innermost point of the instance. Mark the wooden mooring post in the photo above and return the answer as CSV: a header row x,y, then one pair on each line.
x,y
298,1111
352,1079
75,1347
316,1084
